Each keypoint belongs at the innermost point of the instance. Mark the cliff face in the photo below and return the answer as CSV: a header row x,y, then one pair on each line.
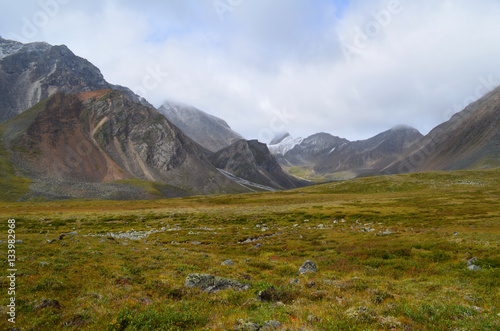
x,y
30,73
252,161
103,137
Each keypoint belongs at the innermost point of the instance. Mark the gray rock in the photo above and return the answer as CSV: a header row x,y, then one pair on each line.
x,y
271,325
295,281
268,295
308,266
472,261
313,319
247,326
212,284
228,263
310,284
474,268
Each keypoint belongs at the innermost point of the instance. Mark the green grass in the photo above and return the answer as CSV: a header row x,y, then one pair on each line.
x,y
12,186
415,278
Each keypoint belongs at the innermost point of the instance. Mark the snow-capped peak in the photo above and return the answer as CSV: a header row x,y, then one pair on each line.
x,y
9,47
285,145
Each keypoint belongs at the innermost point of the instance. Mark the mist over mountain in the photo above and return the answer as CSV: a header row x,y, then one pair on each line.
x,y
209,131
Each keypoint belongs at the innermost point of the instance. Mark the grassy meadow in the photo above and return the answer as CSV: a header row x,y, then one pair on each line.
x,y
391,253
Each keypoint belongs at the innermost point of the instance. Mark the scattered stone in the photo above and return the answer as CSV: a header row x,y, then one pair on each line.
x,y
258,246
295,281
385,233
47,303
327,282
390,322
356,312
472,261
271,325
268,295
50,241
455,233
247,326
474,267
313,319
212,284
43,264
310,284
321,226
196,243
308,266
228,263
478,309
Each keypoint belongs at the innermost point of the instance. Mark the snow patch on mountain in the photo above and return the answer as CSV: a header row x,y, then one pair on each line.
x,y
9,47
284,145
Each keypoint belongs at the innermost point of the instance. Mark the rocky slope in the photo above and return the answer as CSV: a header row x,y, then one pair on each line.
x,y
470,139
252,161
30,73
88,144
209,131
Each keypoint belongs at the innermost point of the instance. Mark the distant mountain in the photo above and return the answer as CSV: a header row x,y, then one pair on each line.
x,y
30,73
207,130
252,161
100,144
281,144
370,155
311,149
470,139
322,155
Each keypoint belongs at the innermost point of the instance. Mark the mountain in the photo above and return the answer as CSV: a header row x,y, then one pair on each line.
x,y
30,73
209,131
100,144
313,148
370,155
252,161
470,139
282,144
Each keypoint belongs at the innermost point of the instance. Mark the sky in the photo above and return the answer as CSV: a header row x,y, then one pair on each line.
x,y
352,68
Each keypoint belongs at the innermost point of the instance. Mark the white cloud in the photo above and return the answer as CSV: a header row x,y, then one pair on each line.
x,y
286,56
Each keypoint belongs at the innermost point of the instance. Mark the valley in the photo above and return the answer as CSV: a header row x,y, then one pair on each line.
x,y
391,252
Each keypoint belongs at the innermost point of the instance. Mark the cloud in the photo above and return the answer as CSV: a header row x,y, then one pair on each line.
x,y
407,63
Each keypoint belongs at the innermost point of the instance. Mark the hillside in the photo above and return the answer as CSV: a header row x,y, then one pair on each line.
x,y
470,139
102,145
252,161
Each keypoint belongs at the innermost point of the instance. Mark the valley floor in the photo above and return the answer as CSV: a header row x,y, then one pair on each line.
x,y
391,253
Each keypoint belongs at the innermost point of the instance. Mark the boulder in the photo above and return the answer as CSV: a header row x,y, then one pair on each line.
x,y
308,266
212,284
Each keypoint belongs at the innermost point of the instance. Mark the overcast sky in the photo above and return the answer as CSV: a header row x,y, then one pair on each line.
x,y
352,68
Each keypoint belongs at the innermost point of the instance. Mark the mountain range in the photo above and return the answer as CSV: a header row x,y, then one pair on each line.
x,y
70,134
67,133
